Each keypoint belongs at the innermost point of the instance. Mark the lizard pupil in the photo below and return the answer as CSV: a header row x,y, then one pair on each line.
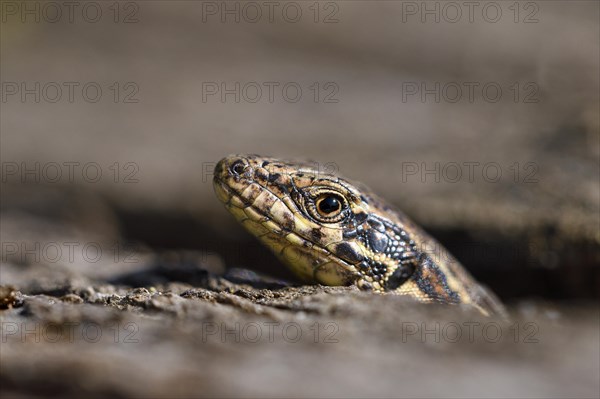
x,y
329,204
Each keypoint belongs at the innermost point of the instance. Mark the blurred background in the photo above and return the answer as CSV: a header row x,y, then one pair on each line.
x,y
480,121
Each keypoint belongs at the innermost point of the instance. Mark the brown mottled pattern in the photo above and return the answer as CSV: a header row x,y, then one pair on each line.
x,y
367,243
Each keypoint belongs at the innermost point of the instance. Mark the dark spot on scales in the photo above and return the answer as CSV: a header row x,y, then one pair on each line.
x,y
376,224
399,276
432,281
346,252
349,234
359,218
316,235
377,241
273,177
288,221
261,174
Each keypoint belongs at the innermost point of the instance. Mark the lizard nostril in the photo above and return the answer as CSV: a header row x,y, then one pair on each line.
x,y
238,167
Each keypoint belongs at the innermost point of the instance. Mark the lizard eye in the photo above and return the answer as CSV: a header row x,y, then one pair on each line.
x,y
328,207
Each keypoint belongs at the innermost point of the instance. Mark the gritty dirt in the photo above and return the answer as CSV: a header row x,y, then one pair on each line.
x,y
224,339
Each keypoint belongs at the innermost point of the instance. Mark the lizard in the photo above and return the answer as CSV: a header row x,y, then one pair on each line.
x,y
333,231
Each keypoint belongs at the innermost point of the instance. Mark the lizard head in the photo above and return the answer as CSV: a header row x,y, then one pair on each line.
x,y
324,227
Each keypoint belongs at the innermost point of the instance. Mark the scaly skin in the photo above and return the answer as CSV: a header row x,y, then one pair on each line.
x,y
329,230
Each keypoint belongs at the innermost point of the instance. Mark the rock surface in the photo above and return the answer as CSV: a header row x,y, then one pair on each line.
x,y
221,339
